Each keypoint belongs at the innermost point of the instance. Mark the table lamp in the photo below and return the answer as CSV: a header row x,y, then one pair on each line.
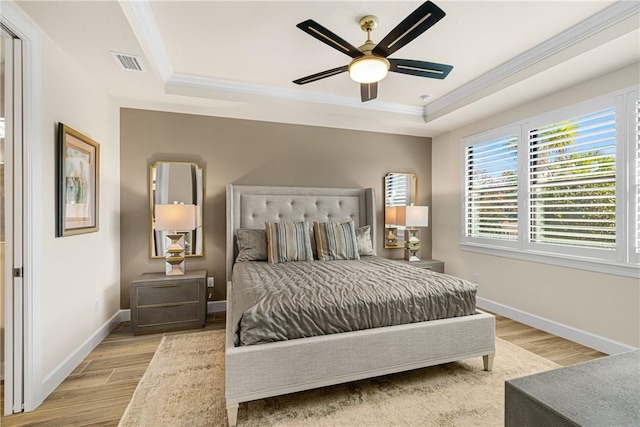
x,y
412,217
176,219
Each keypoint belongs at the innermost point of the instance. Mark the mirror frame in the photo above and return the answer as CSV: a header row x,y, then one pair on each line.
x,y
414,178
199,206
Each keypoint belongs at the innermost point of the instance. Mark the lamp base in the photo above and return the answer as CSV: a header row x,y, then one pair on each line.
x,y
412,245
411,256
175,255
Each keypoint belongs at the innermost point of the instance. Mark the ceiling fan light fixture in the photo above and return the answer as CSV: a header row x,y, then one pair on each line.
x,y
368,69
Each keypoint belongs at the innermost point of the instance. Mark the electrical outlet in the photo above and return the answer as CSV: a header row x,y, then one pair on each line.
x,y
209,282
476,278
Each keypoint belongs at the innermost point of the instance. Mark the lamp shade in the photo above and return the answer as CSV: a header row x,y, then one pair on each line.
x,y
413,216
175,217
368,69
390,215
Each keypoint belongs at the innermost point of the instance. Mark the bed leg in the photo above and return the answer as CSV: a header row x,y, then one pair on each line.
x,y
232,414
488,362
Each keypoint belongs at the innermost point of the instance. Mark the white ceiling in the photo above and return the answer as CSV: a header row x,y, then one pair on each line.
x,y
238,58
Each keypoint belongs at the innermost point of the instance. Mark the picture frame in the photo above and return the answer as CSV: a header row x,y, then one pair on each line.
x,y
77,183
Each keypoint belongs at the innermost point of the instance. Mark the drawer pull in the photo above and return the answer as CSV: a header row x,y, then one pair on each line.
x,y
165,286
167,305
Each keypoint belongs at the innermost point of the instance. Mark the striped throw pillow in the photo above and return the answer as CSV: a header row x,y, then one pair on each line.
x,y
336,241
288,241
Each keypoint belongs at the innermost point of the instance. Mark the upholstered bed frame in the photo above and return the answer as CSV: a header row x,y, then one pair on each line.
x,y
259,371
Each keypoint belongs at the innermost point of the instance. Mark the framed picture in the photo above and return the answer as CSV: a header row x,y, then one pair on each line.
x,y
78,175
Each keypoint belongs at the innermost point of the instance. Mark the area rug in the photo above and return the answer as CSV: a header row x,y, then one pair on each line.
x,y
184,386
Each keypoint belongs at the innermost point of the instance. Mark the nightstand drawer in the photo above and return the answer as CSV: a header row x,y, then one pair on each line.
x,y
168,293
168,314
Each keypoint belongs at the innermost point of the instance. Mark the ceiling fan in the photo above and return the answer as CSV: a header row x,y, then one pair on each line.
x,y
370,63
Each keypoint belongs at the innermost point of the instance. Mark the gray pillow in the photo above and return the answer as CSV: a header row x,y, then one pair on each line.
x,y
252,245
363,239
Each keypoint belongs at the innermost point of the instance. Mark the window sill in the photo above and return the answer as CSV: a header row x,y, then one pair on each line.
x,y
618,269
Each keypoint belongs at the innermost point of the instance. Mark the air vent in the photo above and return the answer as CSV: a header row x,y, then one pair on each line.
x,y
128,62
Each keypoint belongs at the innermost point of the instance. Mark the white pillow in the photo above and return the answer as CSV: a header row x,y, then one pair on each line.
x,y
363,239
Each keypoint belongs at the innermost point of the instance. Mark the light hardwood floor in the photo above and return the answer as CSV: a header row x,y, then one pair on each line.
x,y
98,391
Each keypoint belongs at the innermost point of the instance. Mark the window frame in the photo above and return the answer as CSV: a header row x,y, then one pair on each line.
x,y
620,261
633,172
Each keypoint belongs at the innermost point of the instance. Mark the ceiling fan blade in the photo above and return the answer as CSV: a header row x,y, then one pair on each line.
x,y
368,91
411,27
316,30
420,68
321,75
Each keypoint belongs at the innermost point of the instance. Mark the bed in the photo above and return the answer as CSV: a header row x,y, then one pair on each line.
x,y
275,368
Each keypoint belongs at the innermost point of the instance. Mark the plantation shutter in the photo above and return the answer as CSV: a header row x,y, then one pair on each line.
x,y
572,182
491,189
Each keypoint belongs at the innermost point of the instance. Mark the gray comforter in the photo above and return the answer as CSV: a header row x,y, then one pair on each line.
x,y
275,302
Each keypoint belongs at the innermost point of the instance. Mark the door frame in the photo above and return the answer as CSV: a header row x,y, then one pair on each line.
x,y
16,22
13,225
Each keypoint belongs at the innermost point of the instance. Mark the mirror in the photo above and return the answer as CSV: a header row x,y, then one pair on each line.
x,y
180,182
400,189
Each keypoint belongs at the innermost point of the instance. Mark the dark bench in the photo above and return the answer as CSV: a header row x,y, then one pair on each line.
x,y
602,392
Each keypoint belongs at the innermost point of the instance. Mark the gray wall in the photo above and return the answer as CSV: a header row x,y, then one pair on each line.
x,y
251,153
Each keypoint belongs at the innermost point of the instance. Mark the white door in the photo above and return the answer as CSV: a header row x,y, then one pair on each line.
x,y
11,280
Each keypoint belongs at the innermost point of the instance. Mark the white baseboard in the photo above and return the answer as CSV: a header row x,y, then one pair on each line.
x,y
588,339
64,369
212,307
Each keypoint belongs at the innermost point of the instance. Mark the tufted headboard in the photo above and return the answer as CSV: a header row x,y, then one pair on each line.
x,y
252,206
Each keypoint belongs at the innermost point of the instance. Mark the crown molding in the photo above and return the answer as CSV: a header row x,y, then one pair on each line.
x,y
591,26
211,86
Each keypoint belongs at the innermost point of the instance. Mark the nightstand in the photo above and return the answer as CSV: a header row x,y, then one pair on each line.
x,y
427,264
162,303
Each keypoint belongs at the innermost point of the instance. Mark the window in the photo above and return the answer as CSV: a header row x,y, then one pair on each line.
x,y
569,204
491,185
572,182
